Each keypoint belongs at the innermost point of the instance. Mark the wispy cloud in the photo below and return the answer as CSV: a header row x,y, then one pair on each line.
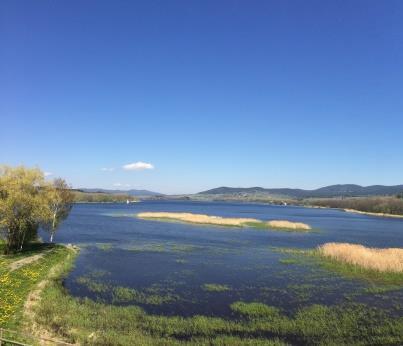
x,y
47,174
121,185
138,166
107,169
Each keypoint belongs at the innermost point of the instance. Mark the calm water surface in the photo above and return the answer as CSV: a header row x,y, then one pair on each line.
x,y
168,263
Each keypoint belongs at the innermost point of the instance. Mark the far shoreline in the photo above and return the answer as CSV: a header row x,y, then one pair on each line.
x,y
347,210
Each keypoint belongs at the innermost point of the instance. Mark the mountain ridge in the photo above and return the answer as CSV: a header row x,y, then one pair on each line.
x,y
338,190
131,192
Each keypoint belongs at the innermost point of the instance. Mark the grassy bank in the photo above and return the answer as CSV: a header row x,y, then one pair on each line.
x,y
88,322
19,276
224,221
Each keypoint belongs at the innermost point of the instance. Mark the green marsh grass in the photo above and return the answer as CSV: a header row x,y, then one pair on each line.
x,y
121,294
94,323
215,287
288,261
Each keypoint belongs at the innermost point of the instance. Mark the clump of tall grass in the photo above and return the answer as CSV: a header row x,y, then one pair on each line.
x,y
224,221
288,225
381,260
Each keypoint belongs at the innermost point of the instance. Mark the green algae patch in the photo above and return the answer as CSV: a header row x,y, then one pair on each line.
x,y
215,288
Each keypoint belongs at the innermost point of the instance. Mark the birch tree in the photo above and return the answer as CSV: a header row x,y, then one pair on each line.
x,y
28,202
60,203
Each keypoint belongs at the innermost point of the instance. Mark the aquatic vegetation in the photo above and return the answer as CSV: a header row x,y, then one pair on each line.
x,y
288,250
258,323
105,246
256,310
147,248
215,288
92,285
380,289
98,273
121,294
225,221
181,261
184,248
302,291
87,322
382,260
345,268
288,261
127,294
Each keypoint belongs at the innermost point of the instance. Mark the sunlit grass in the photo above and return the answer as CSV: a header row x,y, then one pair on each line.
x,y
15,285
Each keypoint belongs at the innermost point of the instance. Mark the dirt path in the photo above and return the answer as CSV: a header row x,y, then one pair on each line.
x,y
33,300
24,261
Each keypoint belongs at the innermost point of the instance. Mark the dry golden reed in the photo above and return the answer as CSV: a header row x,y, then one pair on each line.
x,y
288,225
382,260
198,218
223,221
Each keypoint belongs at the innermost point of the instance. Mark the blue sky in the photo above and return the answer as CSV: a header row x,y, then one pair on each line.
x,y
210,93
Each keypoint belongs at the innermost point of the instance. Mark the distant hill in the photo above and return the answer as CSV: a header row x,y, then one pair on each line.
x,y
123,192
341,190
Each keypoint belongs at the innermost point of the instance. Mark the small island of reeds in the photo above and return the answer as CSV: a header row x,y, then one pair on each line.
x,y
382,260
225,221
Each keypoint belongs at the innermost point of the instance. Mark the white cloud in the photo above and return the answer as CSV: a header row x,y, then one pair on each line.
x,y
121,185
47,174
138,166
106,169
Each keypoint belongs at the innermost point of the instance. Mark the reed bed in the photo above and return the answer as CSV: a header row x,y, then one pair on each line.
x,y
198,218
224,221
381,260
288,225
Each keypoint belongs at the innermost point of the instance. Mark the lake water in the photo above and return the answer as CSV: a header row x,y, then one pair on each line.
x,y
166,265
